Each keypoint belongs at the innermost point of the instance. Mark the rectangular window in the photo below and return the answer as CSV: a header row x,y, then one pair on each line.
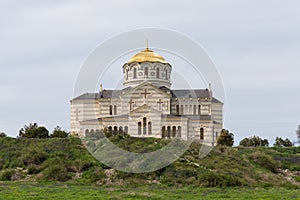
x,y
201,133
110,109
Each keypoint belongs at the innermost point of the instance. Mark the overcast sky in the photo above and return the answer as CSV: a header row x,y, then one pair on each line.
x,y
254,44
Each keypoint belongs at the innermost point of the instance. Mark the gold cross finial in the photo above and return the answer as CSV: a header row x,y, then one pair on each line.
x,y
147,44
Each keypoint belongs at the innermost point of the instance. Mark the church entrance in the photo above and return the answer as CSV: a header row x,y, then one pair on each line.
x,y
144,127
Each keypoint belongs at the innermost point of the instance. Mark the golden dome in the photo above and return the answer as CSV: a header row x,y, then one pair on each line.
x,y
147,56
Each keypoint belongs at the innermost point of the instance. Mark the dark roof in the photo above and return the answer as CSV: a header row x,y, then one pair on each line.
x,y
163,88
201,117
110,93
87,96
197,93
202,93
214,100
92,120
103,94
171,116
116,116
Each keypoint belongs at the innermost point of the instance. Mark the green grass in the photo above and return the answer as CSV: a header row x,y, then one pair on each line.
x,y
67,160
53,190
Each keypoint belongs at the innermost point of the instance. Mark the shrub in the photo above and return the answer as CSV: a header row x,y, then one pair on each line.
x,y
56,172
2,134
34,157
279,142
225,138
264,161
212,179
59,133
33,131
7,175
80,165
33,169
254,141
93,174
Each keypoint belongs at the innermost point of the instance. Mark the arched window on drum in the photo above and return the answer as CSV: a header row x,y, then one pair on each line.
x,y
157,72
134,72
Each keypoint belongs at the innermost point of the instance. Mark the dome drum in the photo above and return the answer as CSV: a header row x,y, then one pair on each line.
x,y
149,66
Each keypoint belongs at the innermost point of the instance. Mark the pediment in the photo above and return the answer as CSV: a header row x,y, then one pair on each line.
x,y
140,88
144,109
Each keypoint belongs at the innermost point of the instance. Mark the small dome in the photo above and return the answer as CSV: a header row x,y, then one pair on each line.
x,y
147,56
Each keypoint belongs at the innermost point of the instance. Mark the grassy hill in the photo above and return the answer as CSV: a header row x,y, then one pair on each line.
x,y
67,160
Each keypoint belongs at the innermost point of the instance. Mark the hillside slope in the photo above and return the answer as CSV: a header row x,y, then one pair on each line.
x,y
67,159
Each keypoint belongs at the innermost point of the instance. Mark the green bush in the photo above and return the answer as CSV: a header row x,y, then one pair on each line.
x,y
33,169
56,172
93,174
80,164
264,161
212,179
34,157
7,175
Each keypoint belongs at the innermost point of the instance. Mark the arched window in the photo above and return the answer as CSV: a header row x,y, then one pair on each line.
x,y
169,132
121,130
157,72
201,133
126,74
115,130
146,72
110,130
163,132
199,109
144,126
149,128
177,110
166,74
139,128
173,131
110,109
134,72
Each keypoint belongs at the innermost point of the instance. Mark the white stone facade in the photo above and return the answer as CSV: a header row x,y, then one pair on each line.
x,y
148,107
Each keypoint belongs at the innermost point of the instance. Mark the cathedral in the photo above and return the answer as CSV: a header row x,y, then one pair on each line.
x,y
148,107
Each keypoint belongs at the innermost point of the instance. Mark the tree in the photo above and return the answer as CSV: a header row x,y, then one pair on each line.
x,y
59,133
254,141
33,131
279,142
287,143
225,138
2,135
